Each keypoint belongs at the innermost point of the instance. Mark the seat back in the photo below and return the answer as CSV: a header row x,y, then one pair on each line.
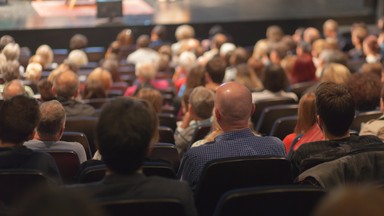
x,y
92,174
94,54
283,126
16,183
80,138
295,200
59,55
68,164
262,104
147,207
222,175
83,124
159,169
167,120
300,88
166,152
200,133
166,135
364,117
271,114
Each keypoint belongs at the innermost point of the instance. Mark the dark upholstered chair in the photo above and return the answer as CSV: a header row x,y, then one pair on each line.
x,y
200,133
86,125
283,126
68,164
271,114
16,183
262,104
295,200
300,88
166,152
167,120
94,54
80,138
166,135
147,207
220,176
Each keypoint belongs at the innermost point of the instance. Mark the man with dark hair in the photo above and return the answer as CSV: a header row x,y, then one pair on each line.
x,y
233,108
50,130
215,73
66,88
19,117
335,113
126,130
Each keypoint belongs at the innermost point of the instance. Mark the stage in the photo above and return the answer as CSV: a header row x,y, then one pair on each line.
x,y
54,22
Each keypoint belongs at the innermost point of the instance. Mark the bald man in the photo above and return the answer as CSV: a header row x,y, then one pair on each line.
x,y
66,89
233,108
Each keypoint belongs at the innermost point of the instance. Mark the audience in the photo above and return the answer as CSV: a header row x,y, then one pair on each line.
x,y
198,114
375,126
50,130
66,89
126,131
13,88
335,108
143,52
19,117
237,139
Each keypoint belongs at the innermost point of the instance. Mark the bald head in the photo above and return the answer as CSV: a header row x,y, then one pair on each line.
x,y
13,88
233,105
66,84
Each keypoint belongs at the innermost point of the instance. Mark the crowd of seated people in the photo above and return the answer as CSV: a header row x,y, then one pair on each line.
x,y
211,82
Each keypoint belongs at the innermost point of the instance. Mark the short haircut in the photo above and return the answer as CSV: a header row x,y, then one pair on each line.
x,y
66,84
202,102
13,88
143,41
184,32
78,41
19,117
125,131
153,96
336,107
216,69
146,70
52,118
10,70
11,51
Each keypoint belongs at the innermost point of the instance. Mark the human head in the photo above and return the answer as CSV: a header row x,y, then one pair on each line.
x,y
125,37
45,89
365,90
184,32
11,51
46,54
332,56
158,32
196,77
275,78
335,72
239,55
247,77
216,69
112,66
330,28
274,33
19,117
78,41
78,57
143,41
201,102
13,88
358,33
66,85
102,76
153,96
10,70
4,40
278,52
186,60
218,40
230,115
310,35
33,72
52,121
376,68
357,200
306,114
370,45
125,131
94,89
335,108
145,70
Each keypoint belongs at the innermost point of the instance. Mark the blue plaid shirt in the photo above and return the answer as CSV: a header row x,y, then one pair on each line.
x,y
230,144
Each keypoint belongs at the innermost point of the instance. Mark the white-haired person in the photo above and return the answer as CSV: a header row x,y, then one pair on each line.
x,y
145,78
186,62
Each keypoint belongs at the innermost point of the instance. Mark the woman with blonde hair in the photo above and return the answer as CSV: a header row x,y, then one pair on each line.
x,y
46,54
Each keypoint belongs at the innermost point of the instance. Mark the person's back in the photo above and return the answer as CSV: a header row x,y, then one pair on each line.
x,y
237,139
335,109
18,118
50,130
126,130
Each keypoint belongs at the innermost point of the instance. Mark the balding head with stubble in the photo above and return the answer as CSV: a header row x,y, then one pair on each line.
x,y
233,106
